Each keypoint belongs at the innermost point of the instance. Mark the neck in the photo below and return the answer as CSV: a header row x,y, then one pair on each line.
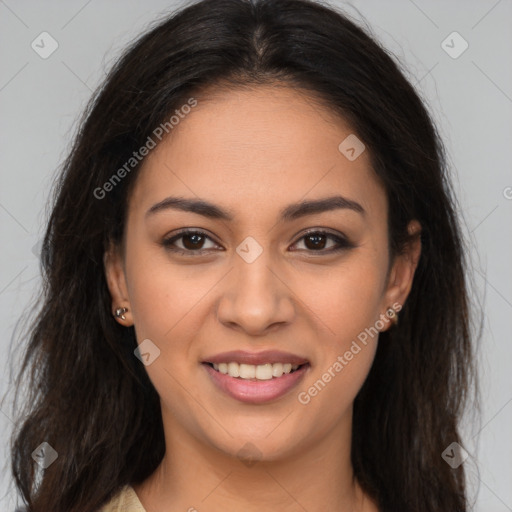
x,y
194,475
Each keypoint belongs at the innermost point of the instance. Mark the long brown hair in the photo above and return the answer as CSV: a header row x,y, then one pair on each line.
x,y
91,399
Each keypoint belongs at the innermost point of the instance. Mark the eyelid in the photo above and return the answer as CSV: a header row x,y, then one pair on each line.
x,y
168,241
342,241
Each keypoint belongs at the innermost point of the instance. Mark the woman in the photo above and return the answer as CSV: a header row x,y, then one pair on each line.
x,y
254,198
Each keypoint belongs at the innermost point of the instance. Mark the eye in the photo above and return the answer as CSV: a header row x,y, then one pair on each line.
x,y
192,242
317,241
187,242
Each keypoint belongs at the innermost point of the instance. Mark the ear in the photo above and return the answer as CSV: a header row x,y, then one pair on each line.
x,y
116,282
402,273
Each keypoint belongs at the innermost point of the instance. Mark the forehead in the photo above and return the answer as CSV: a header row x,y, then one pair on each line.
x,y
257,145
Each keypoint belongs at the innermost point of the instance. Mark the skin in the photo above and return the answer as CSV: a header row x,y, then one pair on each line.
x,y
254,152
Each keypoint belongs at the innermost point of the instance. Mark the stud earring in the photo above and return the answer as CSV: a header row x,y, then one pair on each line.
x,y
119,313
392,315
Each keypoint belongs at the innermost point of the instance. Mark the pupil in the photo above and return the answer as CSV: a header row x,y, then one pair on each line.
x,y
317,244
193,245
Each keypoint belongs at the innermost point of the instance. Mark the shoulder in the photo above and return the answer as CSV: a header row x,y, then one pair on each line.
x,y
126,500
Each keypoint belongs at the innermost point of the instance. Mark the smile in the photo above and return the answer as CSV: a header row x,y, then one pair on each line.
x,y
259,372
255,384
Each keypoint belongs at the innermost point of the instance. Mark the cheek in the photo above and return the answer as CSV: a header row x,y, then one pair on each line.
x,y
330,391
344,300
346,306
347,315
171,305
160,294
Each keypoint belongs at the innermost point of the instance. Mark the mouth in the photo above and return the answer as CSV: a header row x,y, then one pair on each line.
x,y
251,372
255,384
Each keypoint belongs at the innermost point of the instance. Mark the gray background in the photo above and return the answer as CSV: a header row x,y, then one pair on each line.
x,y
470,97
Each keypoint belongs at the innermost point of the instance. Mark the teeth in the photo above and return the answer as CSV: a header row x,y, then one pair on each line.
x,y
264,371
277,370
233,369
249,371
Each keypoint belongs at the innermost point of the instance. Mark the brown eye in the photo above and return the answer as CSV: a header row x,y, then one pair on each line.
x,y
315,241
192,242
188,242
324,242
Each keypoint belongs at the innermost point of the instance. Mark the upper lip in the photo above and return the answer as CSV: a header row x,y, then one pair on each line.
x,y
256,358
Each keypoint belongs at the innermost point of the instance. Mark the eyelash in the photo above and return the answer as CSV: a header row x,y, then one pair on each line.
x,y
343,243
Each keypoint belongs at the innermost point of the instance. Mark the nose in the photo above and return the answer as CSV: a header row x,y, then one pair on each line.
x,y
256,297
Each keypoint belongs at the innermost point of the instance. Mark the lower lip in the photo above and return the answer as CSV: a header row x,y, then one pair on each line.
x,y
256,391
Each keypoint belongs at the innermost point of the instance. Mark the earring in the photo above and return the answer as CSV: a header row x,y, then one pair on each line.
x,y
119,313
392,315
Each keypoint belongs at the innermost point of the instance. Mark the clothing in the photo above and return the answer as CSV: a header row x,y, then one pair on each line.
x,y
126,500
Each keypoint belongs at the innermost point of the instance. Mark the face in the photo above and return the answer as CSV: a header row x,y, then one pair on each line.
x,y
258,270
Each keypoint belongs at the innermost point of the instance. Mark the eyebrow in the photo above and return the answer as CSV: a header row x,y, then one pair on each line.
x,y
289,213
